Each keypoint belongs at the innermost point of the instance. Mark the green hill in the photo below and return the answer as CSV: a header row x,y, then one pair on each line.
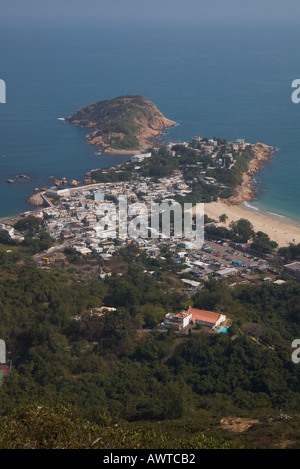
x,y
123,123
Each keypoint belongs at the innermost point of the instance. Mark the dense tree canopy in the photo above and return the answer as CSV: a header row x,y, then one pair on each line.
x,y
242,230
120,364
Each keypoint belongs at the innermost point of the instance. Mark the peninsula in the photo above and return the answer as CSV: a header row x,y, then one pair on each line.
x,y
123,124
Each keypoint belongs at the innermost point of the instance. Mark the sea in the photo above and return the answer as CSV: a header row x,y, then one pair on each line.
x,y
232,82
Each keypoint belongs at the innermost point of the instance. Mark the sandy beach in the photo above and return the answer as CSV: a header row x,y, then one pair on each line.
x,y
281,230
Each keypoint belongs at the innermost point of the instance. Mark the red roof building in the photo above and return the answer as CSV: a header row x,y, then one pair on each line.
x,y
201,316
194,316
206,318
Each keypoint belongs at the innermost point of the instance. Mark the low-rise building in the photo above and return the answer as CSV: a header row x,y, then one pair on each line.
x,y
192,284
205,318
194,316
293,269
82,250
225,272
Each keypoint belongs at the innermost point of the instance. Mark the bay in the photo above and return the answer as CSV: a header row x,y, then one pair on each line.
x,y
225,82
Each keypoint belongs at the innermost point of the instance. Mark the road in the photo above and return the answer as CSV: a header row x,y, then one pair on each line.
x,y
51,252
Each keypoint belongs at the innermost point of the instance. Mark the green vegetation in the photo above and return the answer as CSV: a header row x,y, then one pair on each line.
x,y
193,163
44,427
262,243
291,252
223,218
115,367
218,231
5,237
158,166
110,175
241,231
80,379
120,121
243,159
35,238
30,224
128,142
230,177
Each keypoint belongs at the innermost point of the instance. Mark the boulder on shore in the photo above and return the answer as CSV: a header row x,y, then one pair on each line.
x,y
36,200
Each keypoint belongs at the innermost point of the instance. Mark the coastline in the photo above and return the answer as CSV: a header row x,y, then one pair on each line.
x,y
281,229
147,140
247,191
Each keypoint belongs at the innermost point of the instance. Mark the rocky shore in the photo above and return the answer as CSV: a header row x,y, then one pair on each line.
x,y
247,191
18,178
36,199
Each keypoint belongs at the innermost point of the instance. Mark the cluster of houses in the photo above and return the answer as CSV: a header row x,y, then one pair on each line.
x,y
76,217
221,152
78,212
208,261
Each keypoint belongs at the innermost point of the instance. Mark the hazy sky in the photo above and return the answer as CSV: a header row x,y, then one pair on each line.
x,y
43,12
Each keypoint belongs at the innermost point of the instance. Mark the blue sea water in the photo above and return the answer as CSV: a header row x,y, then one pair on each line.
x,y
225,82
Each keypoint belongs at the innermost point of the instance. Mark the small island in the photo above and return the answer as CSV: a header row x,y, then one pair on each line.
x,y
121,125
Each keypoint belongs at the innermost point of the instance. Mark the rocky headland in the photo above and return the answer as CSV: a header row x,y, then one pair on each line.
x,y
247,191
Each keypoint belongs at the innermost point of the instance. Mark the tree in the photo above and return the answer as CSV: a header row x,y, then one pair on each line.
x,y
5,237
291,252
152,314
262,243
233,329
223,218
31,224
242,230
255,330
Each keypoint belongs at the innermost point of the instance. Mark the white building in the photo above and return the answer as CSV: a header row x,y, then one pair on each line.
x,y
225,272
10,230
182,319
193,285
140,157
194,316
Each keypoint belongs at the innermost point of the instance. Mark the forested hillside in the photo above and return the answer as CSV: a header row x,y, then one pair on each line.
x,y
121,368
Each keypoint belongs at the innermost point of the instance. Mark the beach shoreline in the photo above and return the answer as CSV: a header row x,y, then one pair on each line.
x,y
281,229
